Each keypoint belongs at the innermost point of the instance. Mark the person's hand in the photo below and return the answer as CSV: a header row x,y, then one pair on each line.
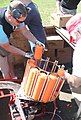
x,y
29,55
68,77
73,80
40,43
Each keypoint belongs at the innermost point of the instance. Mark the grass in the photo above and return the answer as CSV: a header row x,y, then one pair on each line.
x,y
4,3
46,8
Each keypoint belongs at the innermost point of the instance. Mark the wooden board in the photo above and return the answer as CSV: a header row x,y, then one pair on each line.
x,y
65,35
50,30
55,42
60,20
62,55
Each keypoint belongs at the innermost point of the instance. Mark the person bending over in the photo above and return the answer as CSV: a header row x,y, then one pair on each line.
x,y
12,17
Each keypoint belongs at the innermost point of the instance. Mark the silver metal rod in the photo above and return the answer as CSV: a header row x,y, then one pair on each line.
x,y
46,63
17,102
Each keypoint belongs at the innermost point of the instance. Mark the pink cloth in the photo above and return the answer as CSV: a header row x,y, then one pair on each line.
x,y
74,27
73,22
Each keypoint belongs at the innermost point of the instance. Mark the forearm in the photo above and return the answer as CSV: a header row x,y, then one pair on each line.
x,y
13,50
28,35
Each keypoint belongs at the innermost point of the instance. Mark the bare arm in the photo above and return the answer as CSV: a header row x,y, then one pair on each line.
x,y
13,49
27,34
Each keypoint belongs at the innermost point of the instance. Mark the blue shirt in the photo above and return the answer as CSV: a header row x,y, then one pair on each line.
x,y
3,36
34,22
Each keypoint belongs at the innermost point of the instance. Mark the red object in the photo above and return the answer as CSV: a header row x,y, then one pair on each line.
x,y
71,39
11,96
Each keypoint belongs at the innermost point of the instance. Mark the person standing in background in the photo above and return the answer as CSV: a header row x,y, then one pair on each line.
x,y
67,6
74,28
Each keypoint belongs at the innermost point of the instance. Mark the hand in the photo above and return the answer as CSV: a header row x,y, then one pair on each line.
x,y
29,55
40,43
73,80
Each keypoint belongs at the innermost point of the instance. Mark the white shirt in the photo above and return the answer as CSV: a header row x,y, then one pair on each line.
x,y
77,59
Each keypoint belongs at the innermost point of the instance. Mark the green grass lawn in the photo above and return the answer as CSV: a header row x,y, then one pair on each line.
x,y
46,8
4,3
